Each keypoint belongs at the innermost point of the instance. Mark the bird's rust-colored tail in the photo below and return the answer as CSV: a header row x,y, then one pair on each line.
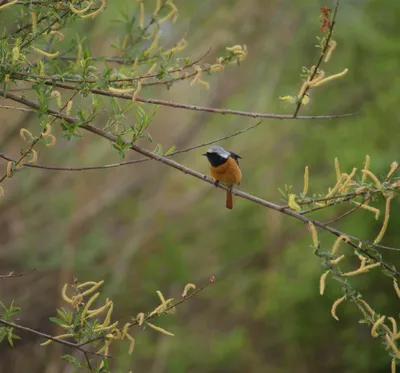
x,y
229,200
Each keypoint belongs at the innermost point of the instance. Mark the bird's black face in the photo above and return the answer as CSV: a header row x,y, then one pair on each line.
x,y
217,156
215,159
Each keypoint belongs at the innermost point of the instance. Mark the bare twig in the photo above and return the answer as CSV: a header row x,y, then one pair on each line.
x,y
13,275
125,163
179,105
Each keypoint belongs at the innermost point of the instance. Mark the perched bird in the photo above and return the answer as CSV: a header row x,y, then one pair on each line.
x,y
224,169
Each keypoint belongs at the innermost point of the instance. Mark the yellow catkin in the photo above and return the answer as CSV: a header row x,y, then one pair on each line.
x,y
376,326
121,90
292,202
101,328
362,269
52,141
187,288
43,53
9,169
58,34
131,345
393,167
331,48
367,306
125,329
314,233
153,33
330,78
57,95
23,132
2,7
385,220
137,91
216,67
34,22
93,288
337,170
306,180
331,192
366,167
396,287
337,243
79,11
392,346
335,305
157,9
108,315
93,313
172,14
1,192
368,208
373,178
140,318
64,294
152,68
153,45
162,299
161,330
69,107
96,12
322,282
89,304
393,366
61,336
34,156
347,181
337,260
394,326
141,18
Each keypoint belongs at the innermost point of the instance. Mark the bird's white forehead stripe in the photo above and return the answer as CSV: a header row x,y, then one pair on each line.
x,y
220,151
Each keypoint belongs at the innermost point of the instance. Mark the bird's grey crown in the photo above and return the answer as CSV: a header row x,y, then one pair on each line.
x,y
220,151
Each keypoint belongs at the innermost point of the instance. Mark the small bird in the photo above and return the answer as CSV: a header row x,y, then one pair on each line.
x,y
225,169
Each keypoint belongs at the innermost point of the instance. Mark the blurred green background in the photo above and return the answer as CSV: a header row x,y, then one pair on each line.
x,y
146,227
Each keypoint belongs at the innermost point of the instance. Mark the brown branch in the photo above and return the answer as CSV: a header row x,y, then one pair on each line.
x,y
13,275
125,163
47,336
321,57
178,105
198,175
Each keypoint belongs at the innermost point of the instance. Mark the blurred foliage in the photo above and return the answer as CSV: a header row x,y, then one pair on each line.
x,y
144,227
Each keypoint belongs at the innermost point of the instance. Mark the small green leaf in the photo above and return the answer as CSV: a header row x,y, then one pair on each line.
x,y
57,321
72,360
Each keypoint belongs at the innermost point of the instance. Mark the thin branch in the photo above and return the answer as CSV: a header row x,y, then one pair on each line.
x,y
178,105
321,57
125,163
199,175
13,275
15,108
132,79
47,336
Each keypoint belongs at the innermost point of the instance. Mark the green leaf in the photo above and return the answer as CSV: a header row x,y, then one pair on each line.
x,y
72,360
170,150
57,321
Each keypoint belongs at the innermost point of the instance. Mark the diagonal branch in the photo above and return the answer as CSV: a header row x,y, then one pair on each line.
x,y
199,175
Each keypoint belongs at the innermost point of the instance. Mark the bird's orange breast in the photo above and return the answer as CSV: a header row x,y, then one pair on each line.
x,y
228,173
